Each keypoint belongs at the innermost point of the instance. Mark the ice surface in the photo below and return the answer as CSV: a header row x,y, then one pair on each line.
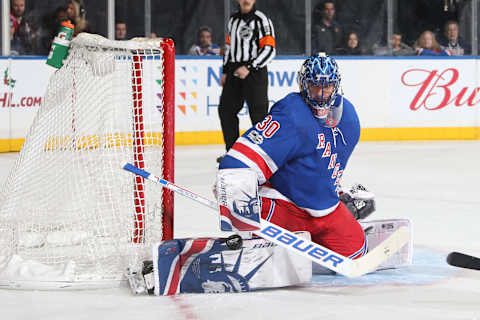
x,y
433,183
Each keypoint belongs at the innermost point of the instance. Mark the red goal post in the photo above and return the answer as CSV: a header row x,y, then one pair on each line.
x,y
168,98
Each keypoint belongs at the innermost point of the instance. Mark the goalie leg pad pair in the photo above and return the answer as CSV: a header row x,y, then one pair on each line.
x,y
207,265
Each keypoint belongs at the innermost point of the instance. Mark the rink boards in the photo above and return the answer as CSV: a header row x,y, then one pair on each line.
x,y
409,98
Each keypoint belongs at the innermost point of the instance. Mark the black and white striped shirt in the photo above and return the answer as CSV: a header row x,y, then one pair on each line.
x,y
250,41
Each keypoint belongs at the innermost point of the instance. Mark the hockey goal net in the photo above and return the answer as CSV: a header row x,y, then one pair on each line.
x,y
70,217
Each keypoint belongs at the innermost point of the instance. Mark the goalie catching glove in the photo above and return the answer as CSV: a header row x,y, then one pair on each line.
x,y
359,201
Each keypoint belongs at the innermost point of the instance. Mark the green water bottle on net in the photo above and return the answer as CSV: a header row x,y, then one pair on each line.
x,y
60,45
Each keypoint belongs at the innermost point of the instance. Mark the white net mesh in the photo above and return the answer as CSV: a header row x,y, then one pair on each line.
x,y
68,212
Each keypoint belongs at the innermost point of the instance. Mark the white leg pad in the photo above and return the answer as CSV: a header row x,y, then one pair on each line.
x,y
283,268
207,265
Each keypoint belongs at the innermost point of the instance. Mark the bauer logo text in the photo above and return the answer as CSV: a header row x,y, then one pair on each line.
x,y
300,245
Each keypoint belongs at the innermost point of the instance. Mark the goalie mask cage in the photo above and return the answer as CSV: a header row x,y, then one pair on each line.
x,y
70,217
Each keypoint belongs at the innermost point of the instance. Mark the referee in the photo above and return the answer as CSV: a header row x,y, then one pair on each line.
x,y
250,46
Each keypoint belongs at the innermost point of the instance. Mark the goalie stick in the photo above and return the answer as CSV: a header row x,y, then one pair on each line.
x,y
463,260
311,250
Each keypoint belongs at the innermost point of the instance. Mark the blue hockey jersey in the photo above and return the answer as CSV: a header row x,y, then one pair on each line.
x,y
296,158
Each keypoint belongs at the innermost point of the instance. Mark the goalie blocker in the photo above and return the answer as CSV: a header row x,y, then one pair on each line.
x,y
208,265
237,194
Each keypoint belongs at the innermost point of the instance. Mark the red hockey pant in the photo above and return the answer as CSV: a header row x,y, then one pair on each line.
x,y
338,231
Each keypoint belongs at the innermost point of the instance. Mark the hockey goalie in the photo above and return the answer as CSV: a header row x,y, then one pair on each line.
x,y
285,170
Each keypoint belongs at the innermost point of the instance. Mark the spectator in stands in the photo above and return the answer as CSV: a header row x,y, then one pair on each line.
x,y
427,45
204,45
326,32
352,46
60,15
49,30
153,35
399,48
120,30
78,16
22,36
452,42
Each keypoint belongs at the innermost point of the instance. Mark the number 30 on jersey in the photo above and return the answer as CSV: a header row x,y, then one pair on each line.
x,y
268,127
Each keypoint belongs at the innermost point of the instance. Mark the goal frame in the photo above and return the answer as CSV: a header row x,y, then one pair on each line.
x,y
139,137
